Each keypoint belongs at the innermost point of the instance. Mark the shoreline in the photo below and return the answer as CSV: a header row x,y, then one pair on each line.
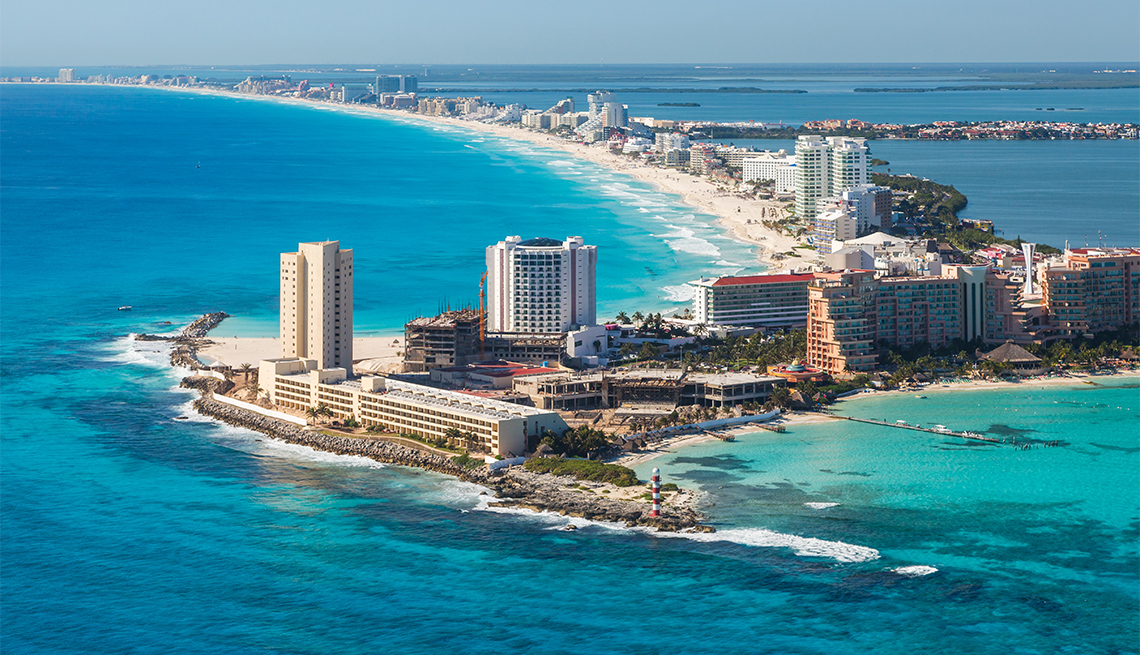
x,y
791,419
738,218
513,486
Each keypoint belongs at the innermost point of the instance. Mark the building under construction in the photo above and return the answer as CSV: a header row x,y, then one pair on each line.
x,y
450,339
528,348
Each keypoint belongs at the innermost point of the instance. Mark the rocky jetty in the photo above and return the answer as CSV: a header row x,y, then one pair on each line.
x,y
514,487
206,385
186,344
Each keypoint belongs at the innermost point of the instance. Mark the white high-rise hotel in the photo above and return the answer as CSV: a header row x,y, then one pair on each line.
x,y
316,304
541,285
825,168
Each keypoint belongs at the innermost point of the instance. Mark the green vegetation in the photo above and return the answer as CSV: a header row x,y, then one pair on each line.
x,y
670,486
936,207
678,104
844,386
584,469
467,462
576,442
957,358
754,350
879,162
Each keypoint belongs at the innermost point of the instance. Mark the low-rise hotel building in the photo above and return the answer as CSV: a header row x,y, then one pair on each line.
x,y
762,301
831,226
780,167
405,408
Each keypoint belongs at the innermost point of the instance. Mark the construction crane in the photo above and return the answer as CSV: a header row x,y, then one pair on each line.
x,y
482,318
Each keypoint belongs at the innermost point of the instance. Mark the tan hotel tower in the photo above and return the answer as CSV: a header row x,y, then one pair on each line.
x,y
316,304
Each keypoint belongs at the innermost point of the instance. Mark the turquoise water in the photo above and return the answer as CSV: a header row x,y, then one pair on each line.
x,y
1052,527
127,530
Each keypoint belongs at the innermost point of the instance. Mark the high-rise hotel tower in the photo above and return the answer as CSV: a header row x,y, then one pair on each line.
x,y
826,167
316,304
541,285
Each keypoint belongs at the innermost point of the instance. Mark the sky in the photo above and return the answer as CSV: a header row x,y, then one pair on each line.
x,y
220,32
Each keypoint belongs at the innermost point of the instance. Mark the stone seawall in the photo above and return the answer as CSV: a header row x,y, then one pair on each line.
x,y
515,487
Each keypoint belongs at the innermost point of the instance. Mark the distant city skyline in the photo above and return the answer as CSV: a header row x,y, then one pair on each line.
x,y
133,32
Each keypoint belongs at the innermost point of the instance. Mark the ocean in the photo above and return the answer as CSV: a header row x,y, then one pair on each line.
x,y
1080,192
125,529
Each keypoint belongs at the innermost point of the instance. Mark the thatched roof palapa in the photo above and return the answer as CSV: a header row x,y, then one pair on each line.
x,y
1012,353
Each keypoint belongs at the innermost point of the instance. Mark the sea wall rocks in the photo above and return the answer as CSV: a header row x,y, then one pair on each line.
x,y
203,324
187,343
206,385
515,487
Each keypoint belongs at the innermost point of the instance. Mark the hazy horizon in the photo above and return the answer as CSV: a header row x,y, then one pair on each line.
x,y
71,33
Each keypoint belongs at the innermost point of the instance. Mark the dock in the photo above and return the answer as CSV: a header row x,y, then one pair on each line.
x,y
950,433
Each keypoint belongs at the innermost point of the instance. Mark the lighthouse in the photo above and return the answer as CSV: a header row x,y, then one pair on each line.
x,y
656,493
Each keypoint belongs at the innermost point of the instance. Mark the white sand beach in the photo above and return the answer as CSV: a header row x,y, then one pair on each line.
x,y
740,217
370,354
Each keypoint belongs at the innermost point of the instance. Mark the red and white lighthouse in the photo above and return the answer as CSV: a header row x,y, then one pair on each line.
x,y
656,493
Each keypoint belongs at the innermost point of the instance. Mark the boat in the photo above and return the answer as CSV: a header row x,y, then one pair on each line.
x,y
919,396
125,308
942,429
900,422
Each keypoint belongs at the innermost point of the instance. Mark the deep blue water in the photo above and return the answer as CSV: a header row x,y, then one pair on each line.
x,y
1099,105
1044,191
125,530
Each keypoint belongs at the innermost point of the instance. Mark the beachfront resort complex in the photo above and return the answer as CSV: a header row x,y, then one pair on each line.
x,y
526,363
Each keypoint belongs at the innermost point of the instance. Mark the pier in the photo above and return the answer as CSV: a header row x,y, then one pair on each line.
x,y
950,433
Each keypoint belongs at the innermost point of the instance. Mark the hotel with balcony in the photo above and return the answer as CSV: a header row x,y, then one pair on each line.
x,y
762,301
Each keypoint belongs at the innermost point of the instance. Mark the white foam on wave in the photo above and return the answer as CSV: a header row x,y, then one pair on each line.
x,y
679,293
256,443
915,571
821,505
683,239
756,537
561,163
802,546
276,447
643,210
460,494
153,354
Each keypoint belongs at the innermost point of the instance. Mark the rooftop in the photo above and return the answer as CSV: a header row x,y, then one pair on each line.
x,y
446,319
762,279
541,242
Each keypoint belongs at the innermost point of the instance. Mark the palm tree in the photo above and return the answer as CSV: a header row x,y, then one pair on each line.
x,y
453,435
638,317
622,317
245,368
313,413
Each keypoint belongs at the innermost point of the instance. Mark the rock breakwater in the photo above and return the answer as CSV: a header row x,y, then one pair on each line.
x,y
514,487
186,344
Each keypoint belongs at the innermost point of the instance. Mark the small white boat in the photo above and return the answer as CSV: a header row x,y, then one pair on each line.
x,y
900,422
125,308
